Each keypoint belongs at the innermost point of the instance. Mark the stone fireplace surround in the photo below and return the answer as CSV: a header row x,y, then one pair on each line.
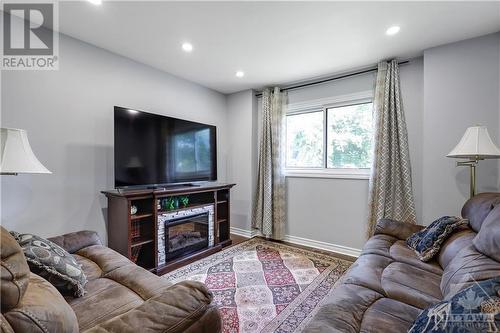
x,y
180,214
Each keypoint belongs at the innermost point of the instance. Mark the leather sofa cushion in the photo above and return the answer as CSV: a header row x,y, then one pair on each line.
x,y
397,229
396,249
5,326
477,208
411,285
367,272
42,309
104,300
467,266
487,240
351,308
388,316
402,253
14,271
115,286
343,309
456,242
180,306
75,241
91,269
102,262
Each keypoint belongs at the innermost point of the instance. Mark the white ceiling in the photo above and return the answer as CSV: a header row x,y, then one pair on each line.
x,y
273,42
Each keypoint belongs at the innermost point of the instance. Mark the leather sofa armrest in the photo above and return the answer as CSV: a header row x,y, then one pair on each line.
x,y
76,241
396,229
184,307
41,310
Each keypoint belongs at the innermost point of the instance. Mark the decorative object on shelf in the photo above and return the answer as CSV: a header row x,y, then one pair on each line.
x,y
135,230
133,209
16,154
169,203
135,253
475,145
184,200
158,204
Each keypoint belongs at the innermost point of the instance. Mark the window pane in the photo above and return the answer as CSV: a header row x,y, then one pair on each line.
x,y
304,133
350,136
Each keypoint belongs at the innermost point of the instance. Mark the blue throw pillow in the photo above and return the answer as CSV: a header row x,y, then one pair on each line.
x,y
474,309
427,242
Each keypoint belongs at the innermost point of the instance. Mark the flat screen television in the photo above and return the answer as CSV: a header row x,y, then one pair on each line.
x,y
155,150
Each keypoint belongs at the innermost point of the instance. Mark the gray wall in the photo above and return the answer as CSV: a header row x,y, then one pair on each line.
x,y
69,118
461,89
242,155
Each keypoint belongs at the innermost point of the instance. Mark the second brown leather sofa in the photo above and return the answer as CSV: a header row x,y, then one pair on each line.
x,y
388,286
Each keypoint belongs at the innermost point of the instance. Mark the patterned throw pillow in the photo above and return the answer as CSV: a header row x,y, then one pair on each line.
x,y
474,309
427,242
53,263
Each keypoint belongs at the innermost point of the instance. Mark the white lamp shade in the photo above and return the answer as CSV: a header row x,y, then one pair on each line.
x,y
476,144
16,154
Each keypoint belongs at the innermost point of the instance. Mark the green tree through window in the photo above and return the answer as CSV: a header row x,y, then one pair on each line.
x,y
350,136
348,139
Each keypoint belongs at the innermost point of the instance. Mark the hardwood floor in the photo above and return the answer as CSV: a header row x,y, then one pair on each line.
x,y
240,239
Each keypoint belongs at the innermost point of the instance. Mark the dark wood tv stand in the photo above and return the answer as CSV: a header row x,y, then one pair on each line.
x,y
136,236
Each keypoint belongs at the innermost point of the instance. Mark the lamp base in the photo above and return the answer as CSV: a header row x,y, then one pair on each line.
x,y
472,167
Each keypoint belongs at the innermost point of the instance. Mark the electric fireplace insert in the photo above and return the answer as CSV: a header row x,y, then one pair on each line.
x,y
185,235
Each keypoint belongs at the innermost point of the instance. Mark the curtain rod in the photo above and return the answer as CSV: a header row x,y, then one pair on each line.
x,y
343,76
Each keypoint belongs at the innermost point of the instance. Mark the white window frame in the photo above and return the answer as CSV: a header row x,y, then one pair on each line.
x,y
322,105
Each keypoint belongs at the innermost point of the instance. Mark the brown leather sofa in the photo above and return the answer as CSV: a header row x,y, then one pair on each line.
x,y
388,286
120,296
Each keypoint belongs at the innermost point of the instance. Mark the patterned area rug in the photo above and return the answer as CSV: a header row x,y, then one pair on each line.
x,y
264,286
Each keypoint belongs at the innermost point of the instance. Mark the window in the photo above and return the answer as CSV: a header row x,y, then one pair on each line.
x,y
336,138
305,140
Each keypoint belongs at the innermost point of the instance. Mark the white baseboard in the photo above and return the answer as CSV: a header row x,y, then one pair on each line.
x,y
304,242
244,232
350,251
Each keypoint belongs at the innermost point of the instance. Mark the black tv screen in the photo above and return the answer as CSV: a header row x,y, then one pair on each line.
x,y
151,149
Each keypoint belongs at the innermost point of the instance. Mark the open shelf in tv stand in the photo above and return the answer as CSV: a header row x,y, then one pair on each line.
x,y
143,249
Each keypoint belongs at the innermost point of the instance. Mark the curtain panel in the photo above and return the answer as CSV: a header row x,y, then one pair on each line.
x,y
269,201
390,193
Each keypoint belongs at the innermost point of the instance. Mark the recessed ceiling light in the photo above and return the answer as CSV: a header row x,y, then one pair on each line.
x,y
240,74
187,47
392,30
95,2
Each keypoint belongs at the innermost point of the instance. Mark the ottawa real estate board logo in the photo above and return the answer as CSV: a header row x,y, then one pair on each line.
x,y
30,38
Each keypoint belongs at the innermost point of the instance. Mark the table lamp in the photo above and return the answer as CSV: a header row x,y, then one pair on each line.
x,y
16,154
475,145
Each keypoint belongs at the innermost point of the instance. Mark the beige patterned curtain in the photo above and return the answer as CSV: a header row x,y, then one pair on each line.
x,y
269,203
390,194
